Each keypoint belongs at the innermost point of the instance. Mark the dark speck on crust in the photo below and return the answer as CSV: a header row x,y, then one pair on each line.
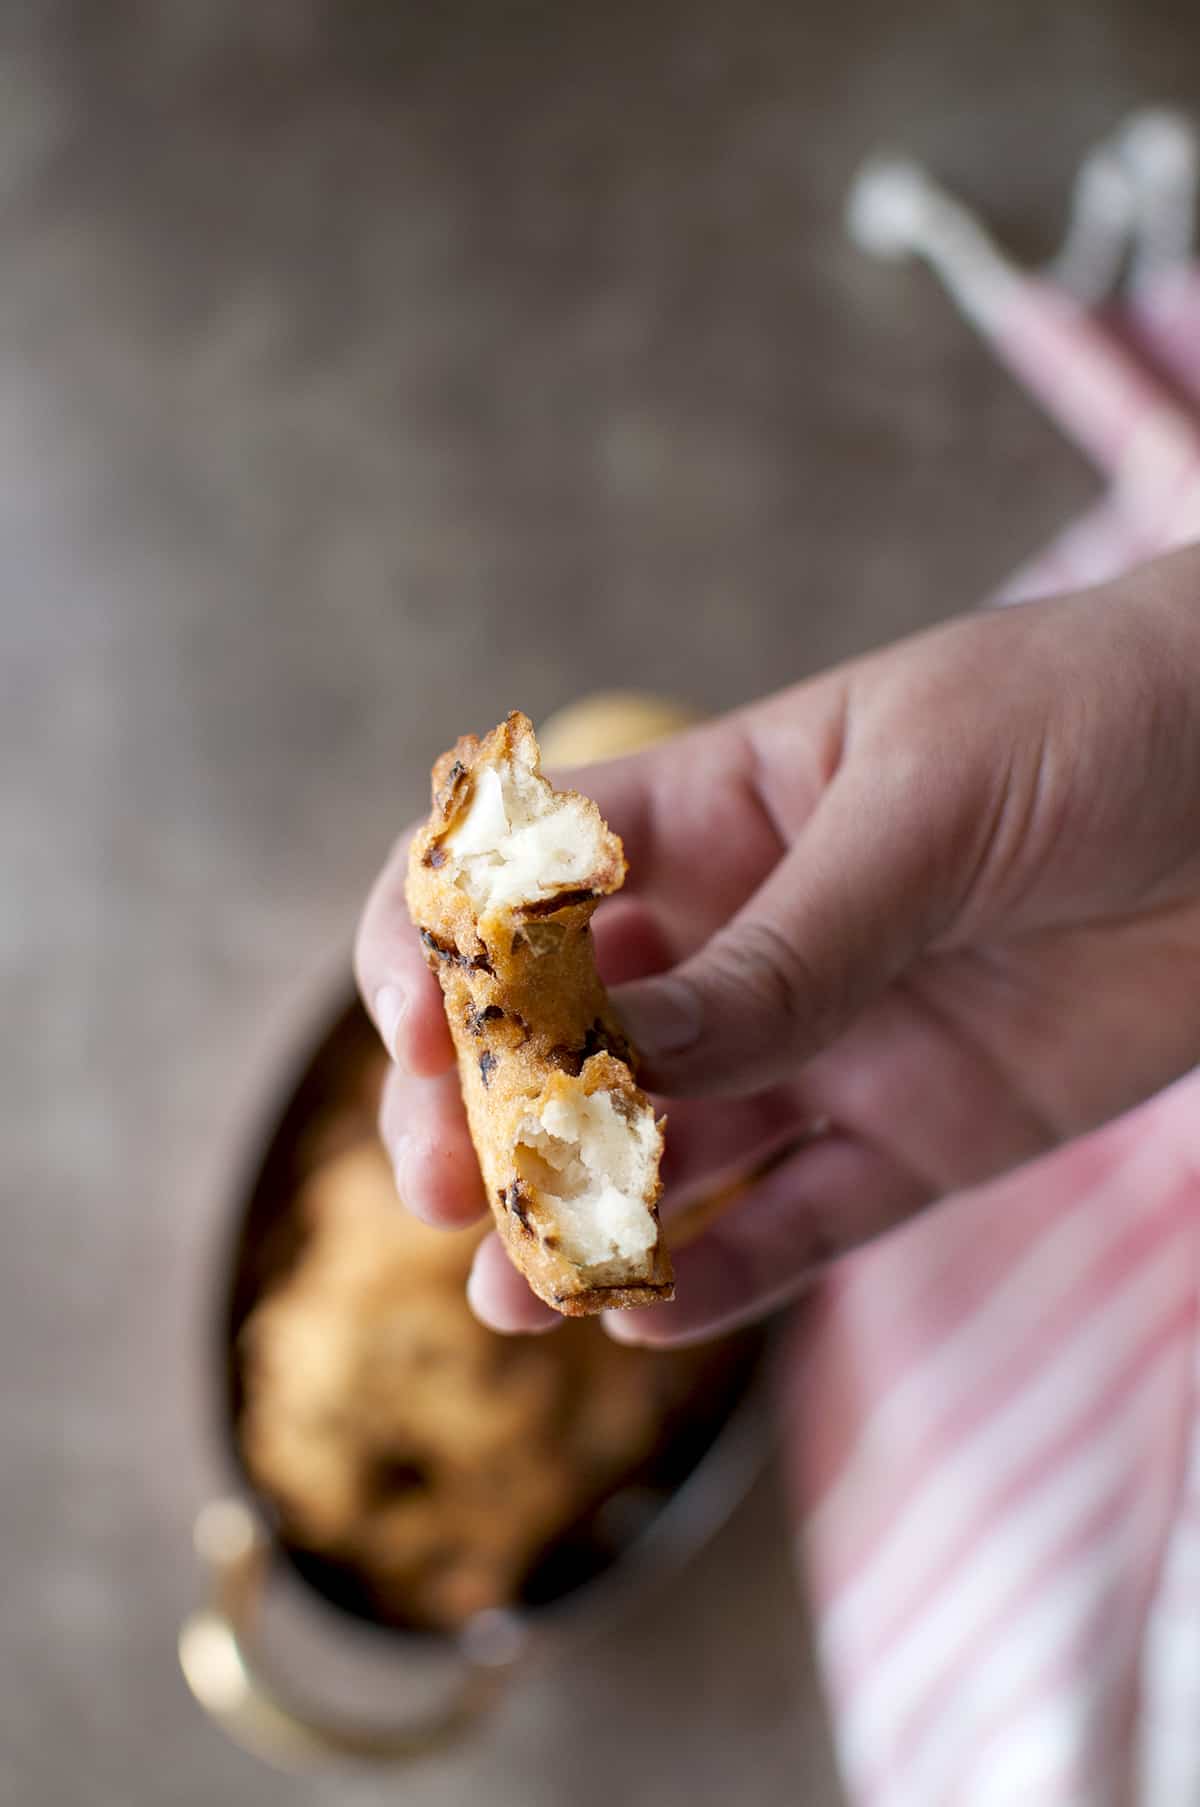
x,y
444,794
475,1018
561,900
487,1061
435,857
601,1040
598,1040
515,1201
445,951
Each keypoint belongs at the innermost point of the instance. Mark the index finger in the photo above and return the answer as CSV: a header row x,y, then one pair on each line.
x,y
697,835
401,995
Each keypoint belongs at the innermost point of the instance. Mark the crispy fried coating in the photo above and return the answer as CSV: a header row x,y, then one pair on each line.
x,y
502,883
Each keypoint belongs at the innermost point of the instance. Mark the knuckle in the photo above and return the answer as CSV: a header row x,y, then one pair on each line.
x,y
768,971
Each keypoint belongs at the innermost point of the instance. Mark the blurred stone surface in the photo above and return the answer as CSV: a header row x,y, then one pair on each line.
x,y
366,370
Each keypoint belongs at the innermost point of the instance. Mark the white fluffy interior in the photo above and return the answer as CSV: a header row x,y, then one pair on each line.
x,y
518,842
591,1169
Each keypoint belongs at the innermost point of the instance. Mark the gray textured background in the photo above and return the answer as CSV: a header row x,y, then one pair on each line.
x,y
365,370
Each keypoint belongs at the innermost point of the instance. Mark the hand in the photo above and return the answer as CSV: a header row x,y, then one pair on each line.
x,y
944,900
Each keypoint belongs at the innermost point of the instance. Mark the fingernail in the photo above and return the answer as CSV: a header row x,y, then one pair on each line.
x,y
400,1154
391,1006
481,1297
410,1166
477,1295
620,1327
662,1016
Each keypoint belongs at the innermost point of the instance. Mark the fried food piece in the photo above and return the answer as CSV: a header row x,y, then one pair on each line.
x,y
381,1417
395,1434
502,883
610,723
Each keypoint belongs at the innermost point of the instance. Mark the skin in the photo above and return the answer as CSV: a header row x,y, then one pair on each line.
x,y
942,903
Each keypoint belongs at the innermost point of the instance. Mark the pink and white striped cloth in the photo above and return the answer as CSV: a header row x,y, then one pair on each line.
x,y
995,1412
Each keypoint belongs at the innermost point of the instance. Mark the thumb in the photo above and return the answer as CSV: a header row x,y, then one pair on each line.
x,y
872,879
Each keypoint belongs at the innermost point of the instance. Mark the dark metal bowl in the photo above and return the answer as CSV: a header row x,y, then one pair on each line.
x,y
705,1461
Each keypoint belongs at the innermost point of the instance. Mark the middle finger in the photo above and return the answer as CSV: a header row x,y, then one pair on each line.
x,y
424,1128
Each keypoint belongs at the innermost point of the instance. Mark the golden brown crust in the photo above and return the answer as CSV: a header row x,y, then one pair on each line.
x,y
443,912
528,1014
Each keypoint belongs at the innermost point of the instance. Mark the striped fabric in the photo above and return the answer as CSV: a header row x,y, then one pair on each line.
x,y
995,1412
1124,416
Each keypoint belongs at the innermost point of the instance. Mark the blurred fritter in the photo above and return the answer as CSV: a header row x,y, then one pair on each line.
x,y
394,1433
